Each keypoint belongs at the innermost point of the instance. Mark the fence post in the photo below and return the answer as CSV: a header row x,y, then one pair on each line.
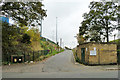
x,y
7,57
33,55
28,57
8,60
38,54
24,56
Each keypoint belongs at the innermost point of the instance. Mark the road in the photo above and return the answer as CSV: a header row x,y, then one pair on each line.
x,y
61,65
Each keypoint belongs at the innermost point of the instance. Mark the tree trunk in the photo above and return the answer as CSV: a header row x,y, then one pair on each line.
x,y
107,32
107,36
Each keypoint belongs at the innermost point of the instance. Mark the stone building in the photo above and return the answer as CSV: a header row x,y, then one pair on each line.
x,y
97,53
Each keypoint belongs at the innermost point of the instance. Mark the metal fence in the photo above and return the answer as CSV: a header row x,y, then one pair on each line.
x,y
35,55
27,55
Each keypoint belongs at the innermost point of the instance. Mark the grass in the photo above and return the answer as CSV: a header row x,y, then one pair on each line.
x,y
43,45
116,41
74,54
36,46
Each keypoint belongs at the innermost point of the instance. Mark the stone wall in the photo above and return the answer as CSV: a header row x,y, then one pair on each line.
x,y
106,53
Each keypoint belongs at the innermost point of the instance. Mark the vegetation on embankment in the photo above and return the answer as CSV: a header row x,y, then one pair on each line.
x,y
23,37
74,50
51,46
22,40
117,41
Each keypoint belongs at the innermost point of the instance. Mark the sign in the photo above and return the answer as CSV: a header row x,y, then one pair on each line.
x,y
93,52
94,48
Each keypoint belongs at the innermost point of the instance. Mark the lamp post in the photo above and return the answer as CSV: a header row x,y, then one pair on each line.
x,y
56,31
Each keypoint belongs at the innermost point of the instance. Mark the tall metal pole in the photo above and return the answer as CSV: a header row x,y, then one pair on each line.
x,y
60,42
56,31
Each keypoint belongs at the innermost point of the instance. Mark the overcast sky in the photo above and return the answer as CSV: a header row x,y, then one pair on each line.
x,y
69,13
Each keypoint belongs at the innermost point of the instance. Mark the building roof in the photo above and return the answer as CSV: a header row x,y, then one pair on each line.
x,y
97,43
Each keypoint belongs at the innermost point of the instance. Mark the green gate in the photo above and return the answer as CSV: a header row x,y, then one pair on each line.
x,y
83,55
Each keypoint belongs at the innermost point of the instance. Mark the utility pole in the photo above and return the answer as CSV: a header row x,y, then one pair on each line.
x,y
56,31
60,43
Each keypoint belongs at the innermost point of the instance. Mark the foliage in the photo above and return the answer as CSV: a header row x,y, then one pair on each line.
x,y
116,41
34,34
80,39
99,23
24,36
26,39
24,13
9,38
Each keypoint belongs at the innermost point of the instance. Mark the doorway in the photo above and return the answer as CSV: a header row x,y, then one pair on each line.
x,y
83,55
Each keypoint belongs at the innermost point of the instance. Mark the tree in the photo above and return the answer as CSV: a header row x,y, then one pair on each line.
x,y
34,34
80,39
100,21
9,40
24,13
9,37
26,39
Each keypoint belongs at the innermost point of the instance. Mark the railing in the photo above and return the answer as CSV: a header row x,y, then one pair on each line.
x,y
26,55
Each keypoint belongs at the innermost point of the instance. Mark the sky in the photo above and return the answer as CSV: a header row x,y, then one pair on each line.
x,y
69,16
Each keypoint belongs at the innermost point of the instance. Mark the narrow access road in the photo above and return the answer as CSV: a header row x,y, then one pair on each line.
x,y
61,65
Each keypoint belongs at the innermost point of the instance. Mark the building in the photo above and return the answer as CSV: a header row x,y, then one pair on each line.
x,y
4,19
92,53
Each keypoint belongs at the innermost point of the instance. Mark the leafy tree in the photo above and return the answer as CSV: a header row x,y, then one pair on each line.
x,y
24,13
100,21
26,39
9,40
9,37
80,39
34,34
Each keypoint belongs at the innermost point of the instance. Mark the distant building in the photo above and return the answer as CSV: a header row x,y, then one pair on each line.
x,y
4,19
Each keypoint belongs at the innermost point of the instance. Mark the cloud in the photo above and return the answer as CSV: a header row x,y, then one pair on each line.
x,y
69,13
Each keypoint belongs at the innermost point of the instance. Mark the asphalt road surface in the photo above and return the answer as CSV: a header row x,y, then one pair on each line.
x,y
61,65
